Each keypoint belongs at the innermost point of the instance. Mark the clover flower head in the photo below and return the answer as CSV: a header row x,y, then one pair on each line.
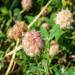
x,y
32,43
54,48
26,4
46,26
64,18
17,30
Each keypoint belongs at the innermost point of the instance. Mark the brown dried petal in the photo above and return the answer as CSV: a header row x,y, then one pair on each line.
x,y
17,30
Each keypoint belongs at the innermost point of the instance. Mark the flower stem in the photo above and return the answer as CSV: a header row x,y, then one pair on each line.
x,y
36,18
12,59
30,25
11,63
13,51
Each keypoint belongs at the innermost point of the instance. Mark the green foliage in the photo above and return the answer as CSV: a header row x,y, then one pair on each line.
x,y
44,33
4,10
43,64
69,71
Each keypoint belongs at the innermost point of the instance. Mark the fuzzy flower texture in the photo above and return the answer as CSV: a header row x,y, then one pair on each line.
x,y
32,43
54,49
17,30
64,18
26,4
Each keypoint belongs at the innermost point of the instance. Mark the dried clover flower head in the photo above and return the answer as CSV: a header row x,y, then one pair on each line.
x,y
64,18
22,26
45,13
46,26
62,60
26,4
54,49
32,43
17,30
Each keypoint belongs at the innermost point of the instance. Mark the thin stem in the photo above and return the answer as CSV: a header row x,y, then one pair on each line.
x,y
36,18
13,4
30,25
21,11
11,63
13,51
11,45
13,67
12,59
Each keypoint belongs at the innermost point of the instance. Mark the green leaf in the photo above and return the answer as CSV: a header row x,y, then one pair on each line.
x,y
9,22
69,71
52,17
58,33
45,65
56,3
2,35
49,9
16,11
4,10
53,32
44,33
29,18
1,59
17,14
47,20
1,55
1,18
57,70
5,1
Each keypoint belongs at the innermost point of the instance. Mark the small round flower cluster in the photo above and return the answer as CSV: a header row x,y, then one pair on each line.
x,y
46,26
17,30
45,13
32,43
64,18
26,4
54,49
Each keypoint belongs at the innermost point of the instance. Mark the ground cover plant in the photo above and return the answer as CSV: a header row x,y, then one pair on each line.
x,y
37,37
